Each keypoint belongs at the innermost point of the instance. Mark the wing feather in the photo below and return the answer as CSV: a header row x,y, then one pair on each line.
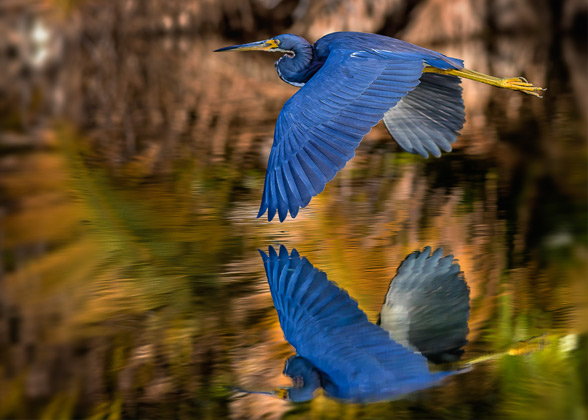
x,y
427,305
334,109
429,118
327,327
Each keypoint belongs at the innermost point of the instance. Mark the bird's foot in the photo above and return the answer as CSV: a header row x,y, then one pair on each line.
x,y
513,83
523,85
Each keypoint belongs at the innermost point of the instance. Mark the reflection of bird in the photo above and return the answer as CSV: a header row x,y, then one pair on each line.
x,y
337,348
350,81
427,306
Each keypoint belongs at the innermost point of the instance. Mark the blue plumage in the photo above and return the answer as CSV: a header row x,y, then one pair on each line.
x,y
349,82
310,149
337,347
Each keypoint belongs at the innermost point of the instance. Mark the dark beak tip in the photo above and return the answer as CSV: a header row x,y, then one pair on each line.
x,y
229,48
259,45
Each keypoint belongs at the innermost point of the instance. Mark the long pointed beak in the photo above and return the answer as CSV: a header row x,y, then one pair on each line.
x,y
281,393
267,45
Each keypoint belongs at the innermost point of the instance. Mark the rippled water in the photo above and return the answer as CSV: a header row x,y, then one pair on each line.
x,y
132,285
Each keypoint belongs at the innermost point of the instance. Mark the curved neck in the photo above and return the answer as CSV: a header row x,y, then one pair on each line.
x,y
298,66
305,376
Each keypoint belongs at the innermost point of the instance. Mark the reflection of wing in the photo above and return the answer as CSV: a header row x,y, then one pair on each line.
x,y
321,125
357,358
428,119
427,306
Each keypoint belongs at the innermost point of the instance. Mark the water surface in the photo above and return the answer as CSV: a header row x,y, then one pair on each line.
x,y
131,174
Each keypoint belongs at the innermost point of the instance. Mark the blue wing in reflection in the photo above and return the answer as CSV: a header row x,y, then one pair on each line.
x,y
427,306
337,347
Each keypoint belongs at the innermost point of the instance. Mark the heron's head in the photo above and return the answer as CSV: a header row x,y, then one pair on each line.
x,y
286,43
305,377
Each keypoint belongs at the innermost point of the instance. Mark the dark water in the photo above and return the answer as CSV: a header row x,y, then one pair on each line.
x,y
130,178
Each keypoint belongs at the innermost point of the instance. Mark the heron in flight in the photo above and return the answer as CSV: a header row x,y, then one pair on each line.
x,y
349,82
425,311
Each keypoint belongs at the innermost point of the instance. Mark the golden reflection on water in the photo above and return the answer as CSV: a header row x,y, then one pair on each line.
x,y
131,280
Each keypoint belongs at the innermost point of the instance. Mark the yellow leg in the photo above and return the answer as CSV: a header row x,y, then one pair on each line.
x,y
522,347
514,83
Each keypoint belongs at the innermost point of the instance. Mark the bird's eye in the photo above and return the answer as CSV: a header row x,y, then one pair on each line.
x,y
272,44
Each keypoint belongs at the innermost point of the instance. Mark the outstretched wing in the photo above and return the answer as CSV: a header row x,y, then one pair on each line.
x,y
429,118
427,306
321,125
326,327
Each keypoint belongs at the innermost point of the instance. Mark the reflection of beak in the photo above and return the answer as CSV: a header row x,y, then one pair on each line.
x,y
267,45
281,393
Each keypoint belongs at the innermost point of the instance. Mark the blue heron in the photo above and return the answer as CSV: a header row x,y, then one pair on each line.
x,y
351,358
349,82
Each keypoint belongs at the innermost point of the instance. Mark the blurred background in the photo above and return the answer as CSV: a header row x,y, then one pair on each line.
x,y
132,162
